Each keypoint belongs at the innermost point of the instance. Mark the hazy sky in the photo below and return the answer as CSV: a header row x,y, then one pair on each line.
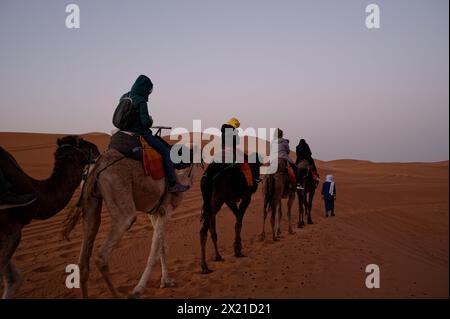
x,y
309,67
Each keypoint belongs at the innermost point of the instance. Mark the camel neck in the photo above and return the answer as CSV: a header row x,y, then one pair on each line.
x,y
55,192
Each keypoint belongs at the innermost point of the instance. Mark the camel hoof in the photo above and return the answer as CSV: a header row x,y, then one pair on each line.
x,y
262,237
170,283
310,222
133,296
240,255
291,232
137,292
206,271
219,258
276,239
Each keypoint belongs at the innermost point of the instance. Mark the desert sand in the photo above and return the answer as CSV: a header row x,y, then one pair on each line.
x,y
392,214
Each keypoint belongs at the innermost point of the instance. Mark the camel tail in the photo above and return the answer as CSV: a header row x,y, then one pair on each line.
x,y
88,191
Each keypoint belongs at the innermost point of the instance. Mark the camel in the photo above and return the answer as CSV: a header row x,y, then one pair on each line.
x,y
305,199
122,184
226,184
53,194
276,187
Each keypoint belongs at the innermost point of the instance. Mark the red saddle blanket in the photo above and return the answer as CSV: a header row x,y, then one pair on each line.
x,y
246,170
291,175
152,160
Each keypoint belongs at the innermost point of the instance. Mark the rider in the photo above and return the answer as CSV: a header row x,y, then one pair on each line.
x,y
284,153
139,93
303,152
231,140
9,199
230,137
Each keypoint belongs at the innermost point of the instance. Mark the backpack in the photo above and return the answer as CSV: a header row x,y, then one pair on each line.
x,y
125,114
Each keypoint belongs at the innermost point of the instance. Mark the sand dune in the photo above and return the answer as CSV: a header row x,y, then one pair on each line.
x,y
391,214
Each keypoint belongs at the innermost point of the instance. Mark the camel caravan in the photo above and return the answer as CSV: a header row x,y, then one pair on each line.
x,y
137,173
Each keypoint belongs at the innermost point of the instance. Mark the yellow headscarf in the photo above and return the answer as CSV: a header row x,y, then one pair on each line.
x,y
234,122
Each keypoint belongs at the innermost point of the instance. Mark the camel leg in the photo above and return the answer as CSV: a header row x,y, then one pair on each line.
x,y
203,239
265,207
262,236
120,223
310,199
273,210
280,214
301,222
10,235
237,243
166,281
91,224
215,207
238,239
213,231
12,279
289,207
238,227
158,222
305,208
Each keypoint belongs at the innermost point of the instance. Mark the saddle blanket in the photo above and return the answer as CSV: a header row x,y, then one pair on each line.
x,y
152,160
246,170
291,175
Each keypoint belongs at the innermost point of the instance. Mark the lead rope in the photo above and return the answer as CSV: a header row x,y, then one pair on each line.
x,y
84,179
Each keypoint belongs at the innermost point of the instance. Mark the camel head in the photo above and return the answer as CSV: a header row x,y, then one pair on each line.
x,y
89,150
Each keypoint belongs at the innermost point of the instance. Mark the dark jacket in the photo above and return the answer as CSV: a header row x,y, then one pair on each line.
x,y
231,134
139,93
303,151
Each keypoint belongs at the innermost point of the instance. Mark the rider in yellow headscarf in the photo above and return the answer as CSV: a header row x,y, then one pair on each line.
x,y
230,135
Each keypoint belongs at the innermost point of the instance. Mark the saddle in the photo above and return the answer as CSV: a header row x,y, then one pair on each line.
x,y
216,169
310,171
135,147
291,174
285,167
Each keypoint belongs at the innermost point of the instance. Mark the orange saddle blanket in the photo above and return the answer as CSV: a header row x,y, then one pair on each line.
x,y
246,170
152,160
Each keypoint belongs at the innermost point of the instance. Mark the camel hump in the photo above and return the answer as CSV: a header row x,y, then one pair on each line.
x,y
21,183
127,143
108,158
